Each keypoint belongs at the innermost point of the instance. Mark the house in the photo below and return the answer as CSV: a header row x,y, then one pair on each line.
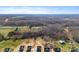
x,y
15,35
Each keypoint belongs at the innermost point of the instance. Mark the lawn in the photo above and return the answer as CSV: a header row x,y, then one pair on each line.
x,y
9,43
13,44
67,47
5,31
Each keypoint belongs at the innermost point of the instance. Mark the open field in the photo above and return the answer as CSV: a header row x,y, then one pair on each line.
x,y
14,44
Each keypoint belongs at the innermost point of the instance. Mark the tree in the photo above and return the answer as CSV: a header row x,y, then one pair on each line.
x,y
16,29
30,26
1,37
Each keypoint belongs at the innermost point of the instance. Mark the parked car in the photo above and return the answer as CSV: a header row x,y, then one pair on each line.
x,y
8,50
21,49
46,49
62,42
38,48
29,49
57,49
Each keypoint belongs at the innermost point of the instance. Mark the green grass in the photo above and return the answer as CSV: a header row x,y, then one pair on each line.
x,y
9,43
67,47
4,32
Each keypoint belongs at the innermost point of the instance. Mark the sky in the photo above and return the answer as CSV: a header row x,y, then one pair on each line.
x,y
39,9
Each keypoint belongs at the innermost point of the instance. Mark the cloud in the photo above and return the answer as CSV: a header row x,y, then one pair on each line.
x,y
24,11
37,10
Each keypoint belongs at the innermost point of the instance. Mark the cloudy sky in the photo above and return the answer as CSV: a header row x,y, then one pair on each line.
x,y
39,9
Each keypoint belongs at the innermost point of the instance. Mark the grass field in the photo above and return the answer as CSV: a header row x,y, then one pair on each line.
x,y
8,43
5,31
13,44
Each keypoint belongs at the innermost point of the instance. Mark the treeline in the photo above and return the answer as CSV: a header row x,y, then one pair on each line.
x,y
44,34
